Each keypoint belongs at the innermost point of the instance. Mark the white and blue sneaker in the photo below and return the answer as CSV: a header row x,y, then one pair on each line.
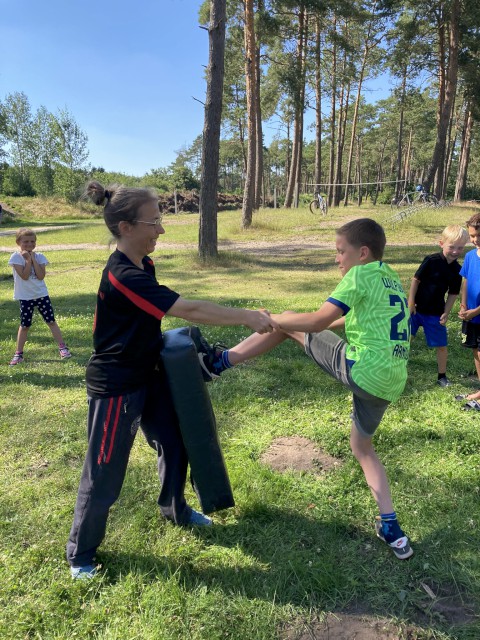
x,y
87,572
199,519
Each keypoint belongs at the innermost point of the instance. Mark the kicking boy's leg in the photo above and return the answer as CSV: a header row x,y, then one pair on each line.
x,y
215,359
386,526
362,449
257,344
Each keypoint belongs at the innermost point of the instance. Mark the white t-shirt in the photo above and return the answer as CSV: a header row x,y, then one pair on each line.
x,y
33,287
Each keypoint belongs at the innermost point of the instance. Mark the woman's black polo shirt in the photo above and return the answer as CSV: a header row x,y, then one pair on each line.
x,y
127,334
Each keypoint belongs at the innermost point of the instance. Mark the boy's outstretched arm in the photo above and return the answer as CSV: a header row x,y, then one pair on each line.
x,y
256,345
313,322
337,324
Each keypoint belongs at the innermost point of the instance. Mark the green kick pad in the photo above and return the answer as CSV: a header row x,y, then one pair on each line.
x,y
196,420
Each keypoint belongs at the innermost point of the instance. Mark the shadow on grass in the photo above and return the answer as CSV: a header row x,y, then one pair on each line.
x,y
295,560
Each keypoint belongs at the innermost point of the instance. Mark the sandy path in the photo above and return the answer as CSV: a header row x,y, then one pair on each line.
x,y
254,247
258,247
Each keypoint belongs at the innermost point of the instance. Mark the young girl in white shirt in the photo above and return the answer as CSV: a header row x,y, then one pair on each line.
x,y
30,290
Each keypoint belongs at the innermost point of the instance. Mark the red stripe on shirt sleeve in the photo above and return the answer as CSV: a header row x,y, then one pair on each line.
x,y
137,300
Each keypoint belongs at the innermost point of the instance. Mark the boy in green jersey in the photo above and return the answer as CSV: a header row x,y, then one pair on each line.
x,y
370,303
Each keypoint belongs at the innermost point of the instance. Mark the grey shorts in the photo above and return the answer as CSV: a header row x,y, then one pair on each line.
x,y
328,351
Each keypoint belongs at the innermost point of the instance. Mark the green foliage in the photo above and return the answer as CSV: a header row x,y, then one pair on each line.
x,y
158,179
15,183
47,153
183,178
385,196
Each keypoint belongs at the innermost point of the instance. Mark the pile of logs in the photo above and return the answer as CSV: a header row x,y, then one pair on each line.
x,y
188,202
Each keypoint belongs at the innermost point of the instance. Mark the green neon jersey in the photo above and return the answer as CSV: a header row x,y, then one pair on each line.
x,y
377,324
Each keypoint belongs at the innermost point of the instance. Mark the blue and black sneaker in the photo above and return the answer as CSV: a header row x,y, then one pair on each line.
x,y
209,356
400,547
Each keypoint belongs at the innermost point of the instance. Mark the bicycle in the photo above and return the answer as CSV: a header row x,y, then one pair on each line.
x,y
404,200
319,204
427,198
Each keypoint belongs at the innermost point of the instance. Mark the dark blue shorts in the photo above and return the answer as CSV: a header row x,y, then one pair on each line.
x,y
44,305
435,333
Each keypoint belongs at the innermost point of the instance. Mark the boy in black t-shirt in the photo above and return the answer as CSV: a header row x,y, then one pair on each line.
x,y
439,274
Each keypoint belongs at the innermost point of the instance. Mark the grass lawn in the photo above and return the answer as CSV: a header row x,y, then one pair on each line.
x,y
299,546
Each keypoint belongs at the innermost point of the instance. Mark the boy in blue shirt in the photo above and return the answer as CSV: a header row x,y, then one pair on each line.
x,y
470,304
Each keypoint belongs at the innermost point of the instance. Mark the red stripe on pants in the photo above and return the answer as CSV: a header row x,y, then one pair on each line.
x,y
115,424
105,430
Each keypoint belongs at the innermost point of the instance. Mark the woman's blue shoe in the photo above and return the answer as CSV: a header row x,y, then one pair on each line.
x,y
86,572
199,519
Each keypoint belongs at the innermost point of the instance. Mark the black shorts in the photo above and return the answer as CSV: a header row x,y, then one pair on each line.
x,y
44,305
471,335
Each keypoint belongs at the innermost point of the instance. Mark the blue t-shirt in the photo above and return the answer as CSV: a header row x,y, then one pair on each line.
x,y
471,271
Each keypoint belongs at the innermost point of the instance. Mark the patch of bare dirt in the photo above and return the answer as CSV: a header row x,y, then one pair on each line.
x,y
443,606
298,454
446,604
346,626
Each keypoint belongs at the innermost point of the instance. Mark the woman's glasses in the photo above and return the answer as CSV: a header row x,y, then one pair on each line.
x,y
156,223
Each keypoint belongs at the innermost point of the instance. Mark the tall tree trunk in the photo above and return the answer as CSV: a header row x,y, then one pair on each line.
x,y
354,128
461,182
366,50
437,166
299,100
398,187
451,145
408,160
380,170
333,103
208,201
342,125
358,170
288,159
251,85
318,104
259,150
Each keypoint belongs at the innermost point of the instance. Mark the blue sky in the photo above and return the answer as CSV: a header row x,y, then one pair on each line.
x,y
127,71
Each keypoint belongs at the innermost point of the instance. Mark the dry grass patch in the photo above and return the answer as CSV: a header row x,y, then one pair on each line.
x,y
298,454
